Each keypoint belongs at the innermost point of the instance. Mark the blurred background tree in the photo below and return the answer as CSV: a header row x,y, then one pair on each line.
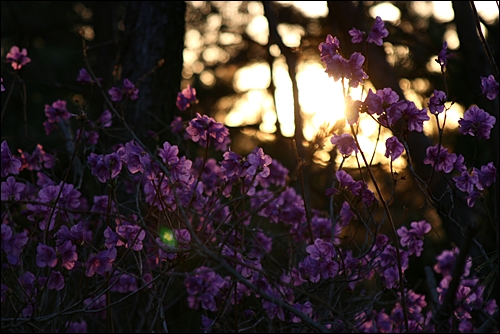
x,y
246,59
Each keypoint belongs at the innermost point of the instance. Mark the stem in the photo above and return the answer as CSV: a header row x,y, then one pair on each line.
x,y
389,216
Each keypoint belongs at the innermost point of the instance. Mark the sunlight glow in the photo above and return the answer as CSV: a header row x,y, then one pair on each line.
x,y
386,11
488,10
253,107
455,112
284,101
312,9
367,137
443,11
255,76
291,34
258,29
451,37
321,98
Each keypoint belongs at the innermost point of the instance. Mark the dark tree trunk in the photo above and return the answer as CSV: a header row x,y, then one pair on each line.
x,y
152,58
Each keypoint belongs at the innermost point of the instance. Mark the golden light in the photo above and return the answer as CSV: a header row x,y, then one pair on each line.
x,y
258,29
320,98
283,97
453,114
386,11
207,78
443,11
488,10
451,37
254,76
422,8
193,40
312,9
367,138
432,65
291,34
253,106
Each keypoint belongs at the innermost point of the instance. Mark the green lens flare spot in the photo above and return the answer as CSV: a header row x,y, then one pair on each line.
x,y
168,238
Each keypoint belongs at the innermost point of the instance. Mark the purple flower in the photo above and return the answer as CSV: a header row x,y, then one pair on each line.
x,y
466,181
88,137
123,283
101,262
415,117
436,102
115,93
111,238
390,277
357,35
346,180
2,88
186,98
17,58
259,163
68,254
321,259
489,86
10,165
135,157
76,327
232,165
373,103
49,127
487,175
442,162
345,144
46,256
203,128
352,110
442,58
394,148
57,112
413,238
35,160
445,263
476,122
357,74
169,154
204,286
336,65
328,49
345,214
84,77
12,189
129,90
377,32
133,235
105,167
459,164
105,119
55,281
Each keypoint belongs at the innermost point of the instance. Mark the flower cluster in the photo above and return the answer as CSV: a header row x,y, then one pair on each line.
x,y
128,90
339,67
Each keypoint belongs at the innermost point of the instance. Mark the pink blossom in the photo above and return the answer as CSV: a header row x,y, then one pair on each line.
x,y
17,58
